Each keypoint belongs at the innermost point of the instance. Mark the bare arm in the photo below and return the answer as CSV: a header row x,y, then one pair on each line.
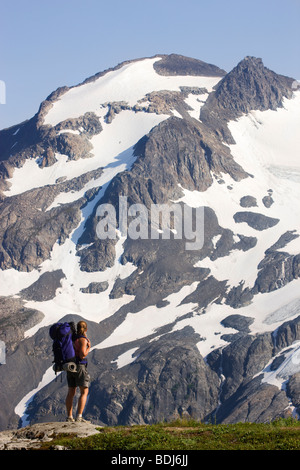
x,y
84,347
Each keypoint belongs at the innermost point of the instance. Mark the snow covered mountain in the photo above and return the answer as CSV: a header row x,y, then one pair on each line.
x,y
210,329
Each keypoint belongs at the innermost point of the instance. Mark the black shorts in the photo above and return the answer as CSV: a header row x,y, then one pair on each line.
x,y
80,378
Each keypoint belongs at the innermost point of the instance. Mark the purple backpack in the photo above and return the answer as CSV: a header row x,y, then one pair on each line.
x,y
63,350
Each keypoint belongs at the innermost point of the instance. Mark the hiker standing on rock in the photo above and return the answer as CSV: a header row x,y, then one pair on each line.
x,y
81,377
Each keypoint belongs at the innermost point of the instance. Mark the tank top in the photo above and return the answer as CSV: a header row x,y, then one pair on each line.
x,y
76,348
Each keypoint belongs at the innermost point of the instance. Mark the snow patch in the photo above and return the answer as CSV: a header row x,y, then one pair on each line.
x,y
125,358
110,150
196,103
21,407
149,320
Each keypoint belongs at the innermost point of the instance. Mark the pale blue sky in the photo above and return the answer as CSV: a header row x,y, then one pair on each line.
x,y
50,43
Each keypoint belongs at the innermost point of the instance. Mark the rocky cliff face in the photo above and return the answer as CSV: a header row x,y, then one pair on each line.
x,y
209,332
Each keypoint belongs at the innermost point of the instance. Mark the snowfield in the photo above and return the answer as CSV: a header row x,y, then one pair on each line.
x,y
112,149
129,83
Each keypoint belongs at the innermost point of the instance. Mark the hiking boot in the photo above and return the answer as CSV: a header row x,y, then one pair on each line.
x,y
70,419
80,419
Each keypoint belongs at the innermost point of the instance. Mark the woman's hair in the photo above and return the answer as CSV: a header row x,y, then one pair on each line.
x,y
81,327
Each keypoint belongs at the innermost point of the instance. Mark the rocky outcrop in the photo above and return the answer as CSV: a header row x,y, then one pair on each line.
x,y
33,437
158,102
88,124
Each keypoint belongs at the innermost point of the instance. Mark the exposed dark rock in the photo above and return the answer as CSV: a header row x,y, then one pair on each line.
x,y
276,270
248,201
28,242
251,85
245,243
165,102
74,146
45,287
192,90
267,201
95,287
155,386
254,402
238,322
238,296
88,124
255,220
175,64
158,102
36,140
160,276
287,333
277,361
115,108
208,291
283,241
242,359
98,257
293,390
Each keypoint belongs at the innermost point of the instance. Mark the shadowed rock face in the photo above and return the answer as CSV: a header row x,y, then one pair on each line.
x,y
161,374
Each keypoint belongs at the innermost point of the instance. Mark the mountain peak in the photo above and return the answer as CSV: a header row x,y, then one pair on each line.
x,y
251,85
248,86
254,85
252,60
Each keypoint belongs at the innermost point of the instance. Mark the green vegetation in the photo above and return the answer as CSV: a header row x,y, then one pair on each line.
x,y
283,434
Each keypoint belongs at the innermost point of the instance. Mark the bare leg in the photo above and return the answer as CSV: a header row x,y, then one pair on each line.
x,y
82,399
69,401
